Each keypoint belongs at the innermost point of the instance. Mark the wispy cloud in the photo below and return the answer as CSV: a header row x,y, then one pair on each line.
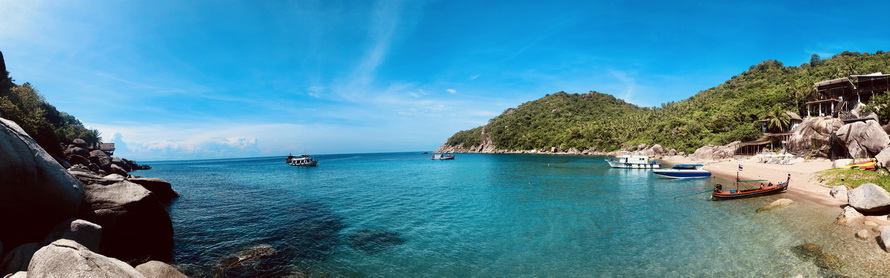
x,y
453,91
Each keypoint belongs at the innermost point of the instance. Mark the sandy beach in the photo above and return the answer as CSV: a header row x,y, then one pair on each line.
x,y
803,175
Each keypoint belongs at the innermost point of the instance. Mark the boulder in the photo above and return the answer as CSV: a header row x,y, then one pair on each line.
x,y
36,192
17,259
161,188
841,162
123,164
100,158
780,203
156,269
863,234
839,192
863,139
711,152
75,150
118,170
81,231
135,225
20,274
883,158
66,258
884,238
80,143
79,160
869,198
849,216
812,137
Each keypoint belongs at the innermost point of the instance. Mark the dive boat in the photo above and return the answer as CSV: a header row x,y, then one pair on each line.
x,y
302,160
683,171
765,189
633,162
442,157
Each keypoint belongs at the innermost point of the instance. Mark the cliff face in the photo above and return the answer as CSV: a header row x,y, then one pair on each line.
x,y
486,145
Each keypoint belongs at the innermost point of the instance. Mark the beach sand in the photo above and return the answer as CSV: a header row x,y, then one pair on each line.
x,y
804,183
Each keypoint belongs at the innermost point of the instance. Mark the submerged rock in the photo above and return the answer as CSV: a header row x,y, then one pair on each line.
x,y
247,255
863,234
849,216
828,261
374,241
156,269
780,203
807,250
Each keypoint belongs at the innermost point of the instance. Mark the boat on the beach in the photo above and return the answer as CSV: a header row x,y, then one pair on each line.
x,y
301,160
633,162
862,165
765,189
683,171
442,157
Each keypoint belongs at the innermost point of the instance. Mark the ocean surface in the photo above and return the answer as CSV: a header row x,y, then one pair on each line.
x,y
480,215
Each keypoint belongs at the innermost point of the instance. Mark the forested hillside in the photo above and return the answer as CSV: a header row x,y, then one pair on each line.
x,y
715,116
46,124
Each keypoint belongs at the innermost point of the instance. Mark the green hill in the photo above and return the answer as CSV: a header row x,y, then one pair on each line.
x,y
715,116
42,121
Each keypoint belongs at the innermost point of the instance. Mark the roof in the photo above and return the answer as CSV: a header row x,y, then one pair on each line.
x,y
793,116
106,146
831,82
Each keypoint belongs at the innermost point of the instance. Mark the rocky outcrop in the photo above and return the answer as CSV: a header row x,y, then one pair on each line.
x,y
156,269
869,198
884,238
711,152
863,139
66,258
883,158
813,136
81,231
36,192
17,259
135,225
159,187
849,216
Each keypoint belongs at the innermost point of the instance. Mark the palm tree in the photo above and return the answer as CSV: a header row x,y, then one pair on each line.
x,y
778,118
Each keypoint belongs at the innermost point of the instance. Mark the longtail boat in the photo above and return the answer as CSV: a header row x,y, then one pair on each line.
x,y
765,189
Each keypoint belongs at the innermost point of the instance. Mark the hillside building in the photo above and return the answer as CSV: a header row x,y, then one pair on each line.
x,y
842,96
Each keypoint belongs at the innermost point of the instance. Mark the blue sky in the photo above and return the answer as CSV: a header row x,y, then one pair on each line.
x,y
211,79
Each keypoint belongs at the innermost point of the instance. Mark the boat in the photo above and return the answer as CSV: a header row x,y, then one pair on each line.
x,y
633,162
764,189
442,157
864,165
301,160
683,171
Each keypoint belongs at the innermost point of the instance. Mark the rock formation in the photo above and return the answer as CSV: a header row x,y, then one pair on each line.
x,y
813,136
711,152
869,198
66,258
780,203
36,192
863,139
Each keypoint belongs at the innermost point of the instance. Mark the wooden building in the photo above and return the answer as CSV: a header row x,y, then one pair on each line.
x,y
108,148
773,137
838,97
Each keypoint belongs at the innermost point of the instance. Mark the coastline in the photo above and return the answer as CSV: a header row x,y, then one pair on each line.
x,y
803,176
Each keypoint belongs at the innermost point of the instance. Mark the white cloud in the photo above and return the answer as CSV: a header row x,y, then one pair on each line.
x,y
453,91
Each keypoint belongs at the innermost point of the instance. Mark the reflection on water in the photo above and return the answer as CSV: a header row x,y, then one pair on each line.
x,y
403,215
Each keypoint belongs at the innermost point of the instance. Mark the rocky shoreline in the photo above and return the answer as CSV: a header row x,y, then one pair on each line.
x,y
82,215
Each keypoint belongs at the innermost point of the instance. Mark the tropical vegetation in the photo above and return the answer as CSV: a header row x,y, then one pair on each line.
x,y
42,121
716,116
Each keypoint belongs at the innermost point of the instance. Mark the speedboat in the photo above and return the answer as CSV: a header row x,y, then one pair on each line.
x,y
442,157
683,171
302,160
633,162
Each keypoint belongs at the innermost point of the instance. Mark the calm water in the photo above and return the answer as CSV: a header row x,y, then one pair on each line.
x,y
481,215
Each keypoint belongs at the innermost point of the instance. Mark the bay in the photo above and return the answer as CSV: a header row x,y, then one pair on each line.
x,y
480,215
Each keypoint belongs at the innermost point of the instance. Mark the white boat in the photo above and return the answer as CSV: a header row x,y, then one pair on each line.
x,y
442,157
633,162
683,171
302,160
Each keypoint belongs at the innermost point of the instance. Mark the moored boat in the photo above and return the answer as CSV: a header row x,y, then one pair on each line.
x,y
442,157
633,162
765,189
301,160
683,171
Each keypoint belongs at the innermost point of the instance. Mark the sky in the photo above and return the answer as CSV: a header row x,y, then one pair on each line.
x,y
168,80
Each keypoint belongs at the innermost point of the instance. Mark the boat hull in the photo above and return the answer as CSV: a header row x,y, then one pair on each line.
x,y
734,194
682,174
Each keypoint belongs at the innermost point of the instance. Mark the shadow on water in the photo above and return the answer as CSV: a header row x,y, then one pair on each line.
x,y
374,241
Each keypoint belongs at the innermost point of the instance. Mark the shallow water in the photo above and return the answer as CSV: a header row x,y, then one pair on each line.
x,y
484,215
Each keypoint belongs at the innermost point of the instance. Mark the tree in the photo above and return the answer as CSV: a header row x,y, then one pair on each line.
x,y
815,60
878,105
778,118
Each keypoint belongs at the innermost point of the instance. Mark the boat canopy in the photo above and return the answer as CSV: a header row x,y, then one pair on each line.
x,y
689,165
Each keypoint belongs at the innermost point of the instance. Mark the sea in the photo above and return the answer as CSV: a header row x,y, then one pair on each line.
x,y
482,215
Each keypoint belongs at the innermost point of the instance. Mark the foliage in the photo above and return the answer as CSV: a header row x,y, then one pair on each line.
x,y
716,116
42,121
852,178
879,105
777,118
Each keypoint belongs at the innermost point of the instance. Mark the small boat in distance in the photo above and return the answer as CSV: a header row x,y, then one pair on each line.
x,y
301,160
765,189
442,157
683,171
633,162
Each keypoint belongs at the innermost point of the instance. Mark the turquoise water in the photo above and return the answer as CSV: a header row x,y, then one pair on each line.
x,y
481,215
